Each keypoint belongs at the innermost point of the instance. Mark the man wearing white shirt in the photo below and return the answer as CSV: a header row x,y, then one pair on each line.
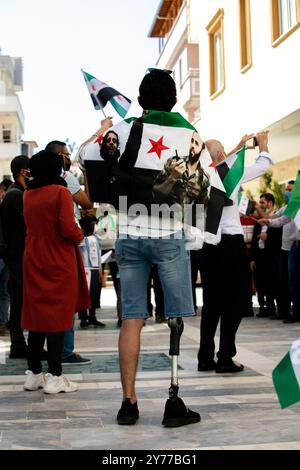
x,y
224,271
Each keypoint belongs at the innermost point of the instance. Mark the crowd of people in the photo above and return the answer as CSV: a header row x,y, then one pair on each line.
x,y
55,245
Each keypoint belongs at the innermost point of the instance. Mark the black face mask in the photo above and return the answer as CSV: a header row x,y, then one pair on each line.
x,y
67,165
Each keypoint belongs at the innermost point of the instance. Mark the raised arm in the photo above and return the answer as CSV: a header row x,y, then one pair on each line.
x,y
263,161
242,142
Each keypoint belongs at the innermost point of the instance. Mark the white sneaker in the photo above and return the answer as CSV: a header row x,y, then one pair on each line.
x,y
34,381
56,384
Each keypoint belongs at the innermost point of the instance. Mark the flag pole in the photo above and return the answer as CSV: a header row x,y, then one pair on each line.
x,y
103,112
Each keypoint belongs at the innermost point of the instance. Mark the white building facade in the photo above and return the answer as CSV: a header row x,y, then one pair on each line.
x,y
248,70
11,112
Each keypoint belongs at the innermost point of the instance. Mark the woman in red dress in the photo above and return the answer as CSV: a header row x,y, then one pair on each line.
x,y
54,285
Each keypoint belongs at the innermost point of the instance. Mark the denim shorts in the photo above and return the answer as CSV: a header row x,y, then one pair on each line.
x,y
135,257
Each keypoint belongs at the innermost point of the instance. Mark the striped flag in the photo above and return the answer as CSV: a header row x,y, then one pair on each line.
x,y
293,207
231,171
101,93
146,144
286,377
246,206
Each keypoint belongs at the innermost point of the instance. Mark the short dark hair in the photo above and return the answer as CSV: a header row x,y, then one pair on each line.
x,y
157,91
291,182
53,146
45,164
268,197
5,183
21,162
87,224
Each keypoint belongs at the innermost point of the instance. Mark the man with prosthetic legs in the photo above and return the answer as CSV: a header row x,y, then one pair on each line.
x,y
176,413
146,238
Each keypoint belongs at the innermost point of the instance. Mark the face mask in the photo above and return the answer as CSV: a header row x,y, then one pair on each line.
x,y
287,196
27,178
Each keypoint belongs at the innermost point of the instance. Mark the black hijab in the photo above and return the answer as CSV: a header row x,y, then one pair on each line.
x,y
45,168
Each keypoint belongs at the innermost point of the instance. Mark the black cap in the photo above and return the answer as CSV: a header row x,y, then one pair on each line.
x,y
21,162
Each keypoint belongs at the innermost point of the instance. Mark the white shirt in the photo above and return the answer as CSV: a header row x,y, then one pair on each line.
x,y
290,231
230,223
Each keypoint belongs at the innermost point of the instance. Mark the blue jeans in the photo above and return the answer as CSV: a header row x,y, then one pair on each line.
x,y
68,342
4,295
135,257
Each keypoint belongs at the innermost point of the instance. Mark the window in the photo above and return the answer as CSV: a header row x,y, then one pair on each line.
x,y
6,134
216,54
285,19
245,35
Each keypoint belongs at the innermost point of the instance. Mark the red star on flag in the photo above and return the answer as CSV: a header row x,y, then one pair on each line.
x,y
213,165
157,147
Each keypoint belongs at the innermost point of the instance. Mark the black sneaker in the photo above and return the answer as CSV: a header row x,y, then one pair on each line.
x,y
128,413
74,359
177,414
228,367
96,323
84,324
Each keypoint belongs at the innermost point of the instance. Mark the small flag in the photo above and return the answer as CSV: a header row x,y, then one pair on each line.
x,y
246,206
286,377
231,172
101,93
293,207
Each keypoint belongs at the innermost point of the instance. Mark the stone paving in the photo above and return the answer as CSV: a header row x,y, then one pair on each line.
x,y
238,411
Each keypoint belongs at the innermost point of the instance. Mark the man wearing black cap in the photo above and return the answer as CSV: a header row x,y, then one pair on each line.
x,y
14,233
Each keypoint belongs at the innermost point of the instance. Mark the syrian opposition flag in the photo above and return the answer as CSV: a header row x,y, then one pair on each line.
x,y
286,377
246,206
147,143
293,207
231,171
101,93
162,135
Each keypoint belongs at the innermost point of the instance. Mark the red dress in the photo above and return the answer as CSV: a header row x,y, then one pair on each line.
x,y
54,282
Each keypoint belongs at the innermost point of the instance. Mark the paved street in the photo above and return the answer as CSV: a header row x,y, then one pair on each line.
x,y
238,411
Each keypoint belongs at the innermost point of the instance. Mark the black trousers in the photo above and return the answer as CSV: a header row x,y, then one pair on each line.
x,y
55,346
196,266
16,300
223,294
284,287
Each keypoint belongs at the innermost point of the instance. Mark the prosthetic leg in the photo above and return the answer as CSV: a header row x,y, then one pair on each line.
x,y
176,413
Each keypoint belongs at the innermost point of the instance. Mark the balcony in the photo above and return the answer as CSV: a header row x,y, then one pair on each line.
x,y
189,93
6,64
9,150
176,37
11,104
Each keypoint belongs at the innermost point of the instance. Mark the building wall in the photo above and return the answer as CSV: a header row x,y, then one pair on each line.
x,y
11,112
268,91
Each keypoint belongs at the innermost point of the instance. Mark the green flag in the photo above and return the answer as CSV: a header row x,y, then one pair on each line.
x,y
293,207
286,377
